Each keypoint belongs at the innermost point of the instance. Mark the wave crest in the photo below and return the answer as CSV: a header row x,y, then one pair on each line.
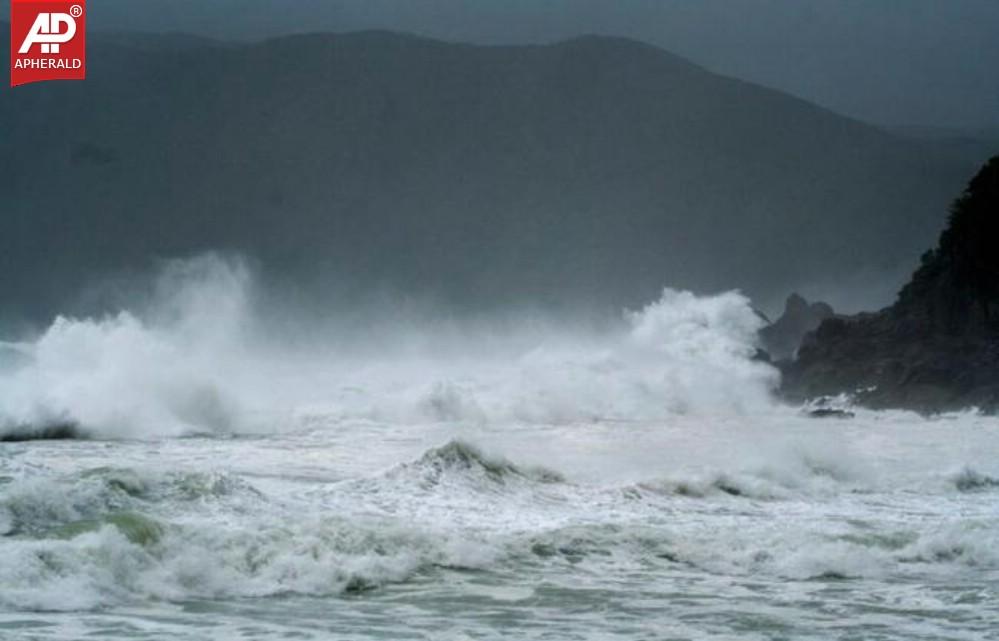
x,y
459,460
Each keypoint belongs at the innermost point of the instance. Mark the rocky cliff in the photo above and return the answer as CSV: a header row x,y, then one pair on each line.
x,y
937,347
782,337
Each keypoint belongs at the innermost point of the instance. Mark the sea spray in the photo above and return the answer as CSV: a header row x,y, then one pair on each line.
x,y
161,371
198,358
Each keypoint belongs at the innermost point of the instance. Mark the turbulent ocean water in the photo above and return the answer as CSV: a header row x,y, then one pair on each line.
x,y
448,480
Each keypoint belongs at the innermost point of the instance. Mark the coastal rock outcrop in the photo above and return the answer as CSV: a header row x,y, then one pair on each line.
x,y
782,337
937,347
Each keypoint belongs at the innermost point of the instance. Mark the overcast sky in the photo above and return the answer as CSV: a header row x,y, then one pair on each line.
x,y
894,62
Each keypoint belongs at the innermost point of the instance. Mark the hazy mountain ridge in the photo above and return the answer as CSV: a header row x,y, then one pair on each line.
x,y
597,169
865,59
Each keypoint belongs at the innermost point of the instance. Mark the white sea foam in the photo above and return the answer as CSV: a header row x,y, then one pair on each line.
x,y
641,466
196,359
163,372
108,537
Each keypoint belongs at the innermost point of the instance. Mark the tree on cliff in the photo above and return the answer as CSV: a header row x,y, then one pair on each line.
x,y
957,284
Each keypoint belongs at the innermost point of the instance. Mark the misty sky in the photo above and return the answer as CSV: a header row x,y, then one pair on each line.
x,y
893,62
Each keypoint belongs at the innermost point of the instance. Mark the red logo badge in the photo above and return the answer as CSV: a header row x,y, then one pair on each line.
x,y
48,40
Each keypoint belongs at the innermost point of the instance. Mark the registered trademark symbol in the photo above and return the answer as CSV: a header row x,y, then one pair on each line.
x,y
76,11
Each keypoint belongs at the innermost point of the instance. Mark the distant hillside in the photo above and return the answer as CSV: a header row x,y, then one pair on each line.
x,y
594,170
937,347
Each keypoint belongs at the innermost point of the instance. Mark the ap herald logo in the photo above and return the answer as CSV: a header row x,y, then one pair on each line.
x,y
48,40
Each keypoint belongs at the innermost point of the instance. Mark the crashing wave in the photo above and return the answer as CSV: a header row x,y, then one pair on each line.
x,y
34,506
57,430
198,360
458,459
126,558
137,528
970,480
162,372
717,484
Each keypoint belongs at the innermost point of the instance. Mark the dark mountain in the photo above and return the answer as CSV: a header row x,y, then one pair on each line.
x,y
937,347
168,41
596,170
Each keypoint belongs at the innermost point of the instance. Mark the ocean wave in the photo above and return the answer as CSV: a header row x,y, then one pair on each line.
x,y
970,480
120,537
793,474
199,359
34,506
53,430
798,555
161,372
126,558
720,483
969,542
461,460
114,536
